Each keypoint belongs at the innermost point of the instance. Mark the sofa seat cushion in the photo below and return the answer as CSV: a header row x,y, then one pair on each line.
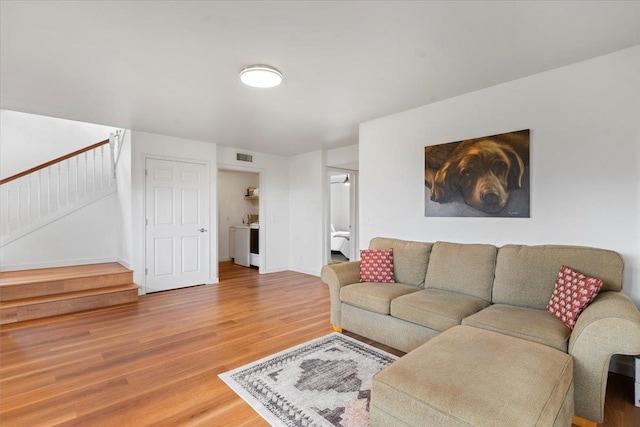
x,y
436,308
528,323
373,296
473,377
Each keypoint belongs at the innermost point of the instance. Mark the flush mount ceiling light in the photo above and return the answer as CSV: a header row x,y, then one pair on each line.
x,y
262,76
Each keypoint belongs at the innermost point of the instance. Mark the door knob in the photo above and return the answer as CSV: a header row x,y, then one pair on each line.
x,y
202,230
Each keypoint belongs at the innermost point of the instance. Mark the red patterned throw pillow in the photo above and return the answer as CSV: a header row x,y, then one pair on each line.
x,y
376,265
573,292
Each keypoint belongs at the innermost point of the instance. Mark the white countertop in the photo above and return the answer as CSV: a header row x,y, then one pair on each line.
x,y
252,225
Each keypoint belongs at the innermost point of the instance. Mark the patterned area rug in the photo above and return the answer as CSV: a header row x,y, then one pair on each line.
x,y
324,382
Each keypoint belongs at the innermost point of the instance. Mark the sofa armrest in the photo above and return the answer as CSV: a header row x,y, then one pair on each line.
x,y
337,276
609,325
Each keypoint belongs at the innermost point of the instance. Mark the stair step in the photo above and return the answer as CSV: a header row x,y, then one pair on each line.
x,y
69,302
33,294
17,285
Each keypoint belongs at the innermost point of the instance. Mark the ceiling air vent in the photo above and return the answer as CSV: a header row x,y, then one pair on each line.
x,y
244,157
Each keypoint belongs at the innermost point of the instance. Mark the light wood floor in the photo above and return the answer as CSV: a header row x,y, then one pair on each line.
x,y
157,362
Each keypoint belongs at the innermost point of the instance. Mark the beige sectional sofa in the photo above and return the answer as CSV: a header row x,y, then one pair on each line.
x,y
441,285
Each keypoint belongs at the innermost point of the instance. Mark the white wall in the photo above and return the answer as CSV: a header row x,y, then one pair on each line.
x,y
233,208
306,192
274,203
145,145
28,140
125,203
343,157
86,236
585,152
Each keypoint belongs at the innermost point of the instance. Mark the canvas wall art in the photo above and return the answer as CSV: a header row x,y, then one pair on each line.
x,y
479,177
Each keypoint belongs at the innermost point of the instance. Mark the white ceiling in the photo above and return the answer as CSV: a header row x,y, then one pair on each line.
x,y
171,67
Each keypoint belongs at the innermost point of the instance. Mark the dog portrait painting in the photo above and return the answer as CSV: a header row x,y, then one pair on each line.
x,y
480,177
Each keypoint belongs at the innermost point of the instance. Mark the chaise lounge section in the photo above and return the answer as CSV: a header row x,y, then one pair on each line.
x,y
505,290
475,377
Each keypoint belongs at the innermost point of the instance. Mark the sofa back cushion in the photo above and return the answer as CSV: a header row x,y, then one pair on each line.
x,y
463,268
526,275
410,259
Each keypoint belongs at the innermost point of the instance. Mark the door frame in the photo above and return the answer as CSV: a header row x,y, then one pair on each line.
x,y
143,211
353,213
262,212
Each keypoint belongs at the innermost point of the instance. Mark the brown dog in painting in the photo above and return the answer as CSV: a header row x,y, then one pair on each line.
x,y
483,170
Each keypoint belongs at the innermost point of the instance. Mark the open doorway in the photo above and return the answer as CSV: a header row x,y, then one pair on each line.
x,y
342,216
239,230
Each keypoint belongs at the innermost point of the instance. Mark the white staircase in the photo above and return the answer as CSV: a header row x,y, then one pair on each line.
x,y
38,196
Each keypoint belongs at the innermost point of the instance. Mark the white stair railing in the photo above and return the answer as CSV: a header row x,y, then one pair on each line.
x,y
45,193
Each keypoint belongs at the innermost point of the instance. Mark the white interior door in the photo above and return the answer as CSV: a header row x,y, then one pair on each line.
x,y
177,224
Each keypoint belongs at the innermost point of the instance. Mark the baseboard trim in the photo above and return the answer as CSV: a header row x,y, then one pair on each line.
x,y
61,263
124,263
305,271
274,270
